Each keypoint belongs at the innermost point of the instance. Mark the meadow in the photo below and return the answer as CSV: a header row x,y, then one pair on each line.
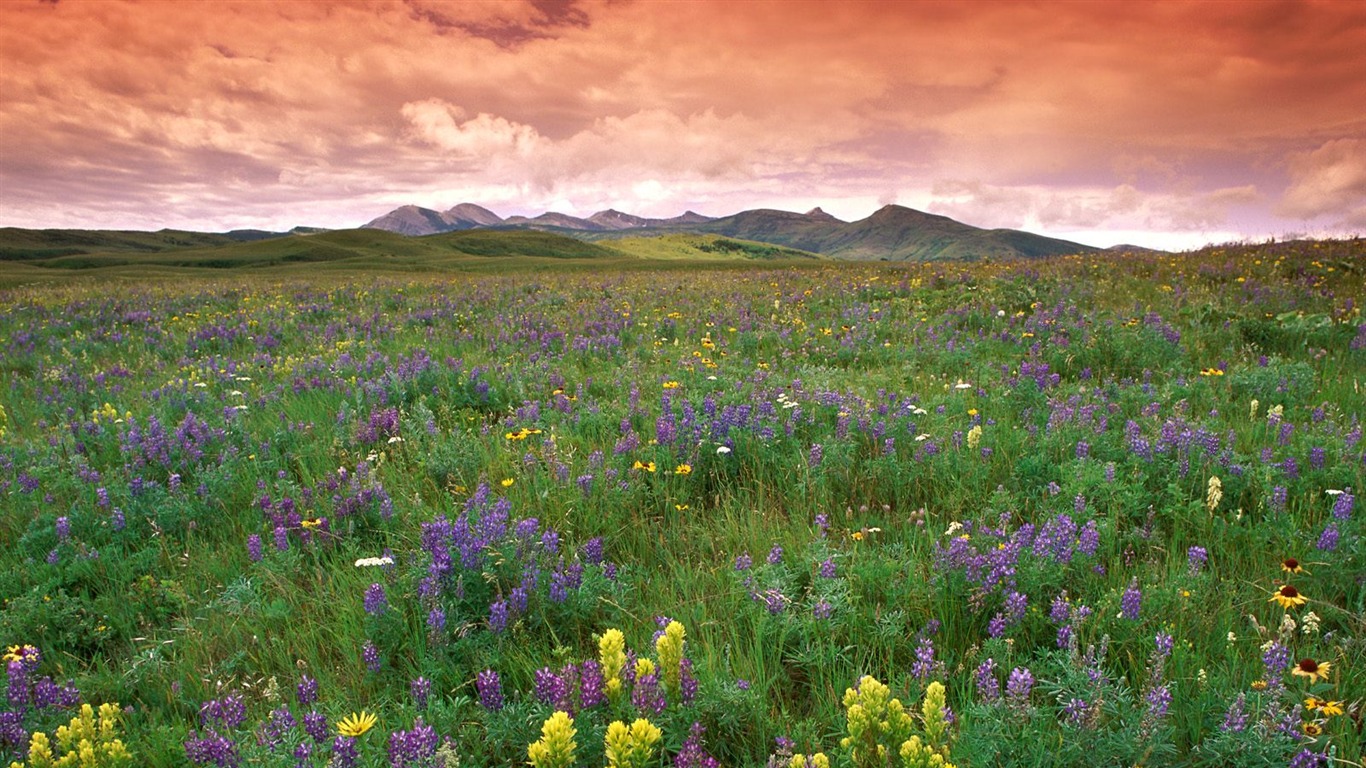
x,y
1090,510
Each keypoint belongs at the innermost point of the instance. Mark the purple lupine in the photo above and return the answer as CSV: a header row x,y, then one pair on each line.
x,y
63,528
254,547
591,551
1308,758
743,562
226,713
822,610
693,754
822,524
1195,559
436,620
775,555
344,753
1018,687
1342,505
412,748
550,687
988,687
1235,719
375,600
490,688
647,696
315,725
1131,602
276,727
118,521
1075,711
1159,699
592,688
370,655
827,568
925,666
1328,540
211,748
687,682
420,689
307,690
498,616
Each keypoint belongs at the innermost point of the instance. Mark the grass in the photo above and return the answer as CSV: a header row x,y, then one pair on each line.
x,y
917,472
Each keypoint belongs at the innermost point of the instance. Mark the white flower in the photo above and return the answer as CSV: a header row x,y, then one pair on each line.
x,y
1000,313
1333,492
722,449
395,439
922,437
918,411
368,562
200,384
962,385
954,527
236,393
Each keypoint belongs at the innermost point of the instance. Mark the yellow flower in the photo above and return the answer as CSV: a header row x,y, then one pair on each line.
x,y
355,725
1314,670
1288,597
670,385
683,469
1259,685
1311,729
507,482
1291,565
1330,708
648,466
311,522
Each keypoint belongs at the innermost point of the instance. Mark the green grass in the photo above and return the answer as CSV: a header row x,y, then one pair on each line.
x,y
386,391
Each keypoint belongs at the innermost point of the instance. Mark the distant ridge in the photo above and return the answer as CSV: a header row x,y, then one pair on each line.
x,y
893,233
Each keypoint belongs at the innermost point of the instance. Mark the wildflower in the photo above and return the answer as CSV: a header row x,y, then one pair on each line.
x,y
556,747
375,600
310,523
648,466
370,562
1311,730
683,469
507,482
721,449
612,656
670,385
669,648
1314,670
974,436
355,725
1311,624
1330,708
1130,602
490,688
1288,597
631,746
1291,565
1214,493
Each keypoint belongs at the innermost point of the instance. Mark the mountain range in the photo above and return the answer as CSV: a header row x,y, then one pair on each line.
x,y
892,233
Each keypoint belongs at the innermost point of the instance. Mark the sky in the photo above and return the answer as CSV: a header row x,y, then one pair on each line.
x,y
1166,124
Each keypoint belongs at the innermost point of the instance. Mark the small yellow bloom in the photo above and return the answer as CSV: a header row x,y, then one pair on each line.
x,y
1331,708
683,469
1291,565
507,482
1259,685
311,522
670,385
355,725
1311,729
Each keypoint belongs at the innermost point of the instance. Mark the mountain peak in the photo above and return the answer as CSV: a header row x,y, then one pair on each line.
x,y
820,215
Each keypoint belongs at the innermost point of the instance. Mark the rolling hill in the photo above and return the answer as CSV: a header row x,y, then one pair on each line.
x,y
893,233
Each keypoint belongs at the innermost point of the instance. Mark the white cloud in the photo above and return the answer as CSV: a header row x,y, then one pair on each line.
x,y
1328,181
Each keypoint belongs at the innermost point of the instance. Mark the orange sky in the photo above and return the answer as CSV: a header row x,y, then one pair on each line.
x,y
1164,124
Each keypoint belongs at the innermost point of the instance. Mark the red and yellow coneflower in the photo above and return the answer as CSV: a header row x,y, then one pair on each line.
x,y
1288,597
1314,670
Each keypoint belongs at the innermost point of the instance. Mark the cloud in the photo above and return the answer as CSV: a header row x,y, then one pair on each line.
x,y
1137,115
1328,181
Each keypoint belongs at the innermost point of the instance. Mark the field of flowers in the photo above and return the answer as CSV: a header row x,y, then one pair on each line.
x,y
1084,511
